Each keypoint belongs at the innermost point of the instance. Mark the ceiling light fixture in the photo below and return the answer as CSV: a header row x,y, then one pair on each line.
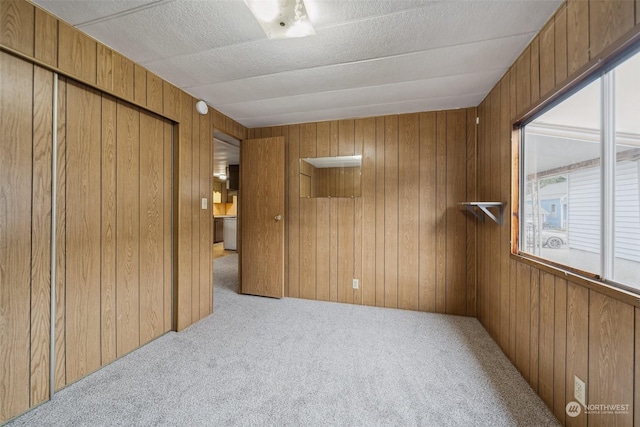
x,y
202,107
282,18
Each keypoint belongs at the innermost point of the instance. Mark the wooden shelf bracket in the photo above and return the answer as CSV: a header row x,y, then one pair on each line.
x,y
484,207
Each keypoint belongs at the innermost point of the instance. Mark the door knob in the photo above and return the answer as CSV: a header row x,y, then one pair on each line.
x,y
278,217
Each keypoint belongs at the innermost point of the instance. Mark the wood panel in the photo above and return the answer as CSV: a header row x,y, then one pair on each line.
x,y
577,34
17,25
636,381
61,232
534,329
128,229
523,71
391,167
611,358
358,213
535,69
471,194
185,204
151,223
140,86
123,76
323,222
104,67
560,346
560,46
428,224
547,58
154,92
46,38
493,193
76,53
505,196
16,100
523,320
308,221
83,232
409,211
108,225
546,338
441,210
577,343
380,205
168,202
369,212
195,212
345,226
41,235
456,192
206,215
171,104
608,21
293,224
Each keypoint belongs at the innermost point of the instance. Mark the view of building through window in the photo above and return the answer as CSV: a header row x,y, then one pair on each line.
x,y
580,183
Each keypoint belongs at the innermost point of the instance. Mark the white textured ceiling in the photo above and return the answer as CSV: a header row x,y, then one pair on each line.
x,y
368,57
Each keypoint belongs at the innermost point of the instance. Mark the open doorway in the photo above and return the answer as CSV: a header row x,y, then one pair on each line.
x,y
226,161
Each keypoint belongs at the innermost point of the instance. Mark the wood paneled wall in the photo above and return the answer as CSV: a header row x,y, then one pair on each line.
x,y
551,325
406,238
124,96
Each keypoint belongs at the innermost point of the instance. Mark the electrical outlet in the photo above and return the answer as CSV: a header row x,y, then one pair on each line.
x,y
355,284
580,391
204,203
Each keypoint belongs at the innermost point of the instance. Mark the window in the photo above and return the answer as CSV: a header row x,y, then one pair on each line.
x,y
580,178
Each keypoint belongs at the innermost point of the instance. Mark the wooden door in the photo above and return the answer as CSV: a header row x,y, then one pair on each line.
x,y
262,217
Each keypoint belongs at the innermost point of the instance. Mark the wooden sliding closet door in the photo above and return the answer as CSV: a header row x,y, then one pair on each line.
x,y
114,230
25,233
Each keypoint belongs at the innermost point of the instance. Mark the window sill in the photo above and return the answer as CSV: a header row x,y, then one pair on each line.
x,y
619,294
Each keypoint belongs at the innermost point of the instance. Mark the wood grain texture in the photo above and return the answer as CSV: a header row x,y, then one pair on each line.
x,y
128,229
535,69
428,221
108,231
46,38
577,34
140,85
546,338
185,204
560,33
345,249
358,213
76,53
608,21
104,67
471,183
505,196
293,217
83,232
409,213
391,211
123,79
535,329
171,103
151,222
523,71
611,358
17,30
262,237
206,216
61,231
368,283
308,221
441,211
547,58
41,235
154,92
16,99
195,213
523,320
380,204
493,193
560,348
323,222
456,192
577,343
169,222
